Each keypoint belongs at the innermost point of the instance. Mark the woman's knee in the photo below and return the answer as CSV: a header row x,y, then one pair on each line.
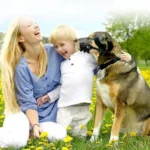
x,y
55,131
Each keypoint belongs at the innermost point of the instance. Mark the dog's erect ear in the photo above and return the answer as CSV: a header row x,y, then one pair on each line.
x,y
109,39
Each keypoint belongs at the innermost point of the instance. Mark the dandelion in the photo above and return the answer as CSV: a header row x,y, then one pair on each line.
x,y
68,139
109,145
105,131
39,148
83,126
98,142
40,143
43,134
32,147
108,125
68,128
2,117
91,108
89,132
132,134
112,117
64,148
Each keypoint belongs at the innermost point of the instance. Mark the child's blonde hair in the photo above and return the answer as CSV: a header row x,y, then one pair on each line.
x,y
62,32
11,53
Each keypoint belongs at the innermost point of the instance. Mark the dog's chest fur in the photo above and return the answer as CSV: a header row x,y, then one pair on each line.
x,y
104,90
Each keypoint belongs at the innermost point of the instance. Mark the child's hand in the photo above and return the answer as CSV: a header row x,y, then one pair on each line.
x,y
126,57
42,99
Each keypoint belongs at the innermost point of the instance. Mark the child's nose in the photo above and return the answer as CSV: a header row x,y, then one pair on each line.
x,y
59,49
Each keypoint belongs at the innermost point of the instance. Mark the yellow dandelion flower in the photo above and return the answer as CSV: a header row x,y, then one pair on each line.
x,y
89,132
2,117
68,128
108,125
40,143
65,148
109,145
132,134
98,142
68,139
32,147
53,148
43,134
91,108
83,126
112,116
39,148
105,131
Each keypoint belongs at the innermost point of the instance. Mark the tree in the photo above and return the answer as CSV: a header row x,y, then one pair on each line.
x,y
124,26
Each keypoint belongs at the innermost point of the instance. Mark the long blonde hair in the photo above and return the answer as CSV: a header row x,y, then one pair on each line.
x,y
11,53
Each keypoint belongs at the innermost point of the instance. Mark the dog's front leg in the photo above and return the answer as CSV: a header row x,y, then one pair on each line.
x,y
118,118
99,115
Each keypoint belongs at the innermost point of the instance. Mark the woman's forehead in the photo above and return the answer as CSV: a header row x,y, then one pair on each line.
x,y
25,20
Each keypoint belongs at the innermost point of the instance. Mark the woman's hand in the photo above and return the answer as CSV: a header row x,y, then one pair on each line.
x,y
126,57
43,100
37,131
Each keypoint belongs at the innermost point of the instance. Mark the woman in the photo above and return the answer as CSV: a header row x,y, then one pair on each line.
x,y
29,71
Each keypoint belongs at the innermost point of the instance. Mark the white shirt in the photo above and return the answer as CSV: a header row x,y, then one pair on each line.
x,y
77,74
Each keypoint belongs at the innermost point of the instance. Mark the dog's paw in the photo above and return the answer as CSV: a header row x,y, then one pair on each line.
x,y
93,138
113,140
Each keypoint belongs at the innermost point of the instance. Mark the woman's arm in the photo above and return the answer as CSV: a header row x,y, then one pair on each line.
x,y
32,116
26,100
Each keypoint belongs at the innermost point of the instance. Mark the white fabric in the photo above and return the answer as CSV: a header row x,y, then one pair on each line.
x,y
77,74
55,131
15,131
54,94
75,116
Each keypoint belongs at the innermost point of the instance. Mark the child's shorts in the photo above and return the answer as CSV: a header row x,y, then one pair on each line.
x,y
76,116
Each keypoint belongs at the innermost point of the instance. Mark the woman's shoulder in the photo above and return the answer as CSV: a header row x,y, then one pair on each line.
x,y
49,47
22,65
51,51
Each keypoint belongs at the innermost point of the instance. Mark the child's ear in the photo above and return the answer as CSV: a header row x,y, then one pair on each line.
x,y
21,39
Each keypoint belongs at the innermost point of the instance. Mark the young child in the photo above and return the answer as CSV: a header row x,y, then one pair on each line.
x,y
77,72
76,81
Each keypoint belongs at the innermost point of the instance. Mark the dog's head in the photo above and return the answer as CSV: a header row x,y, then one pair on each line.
x,y
102,42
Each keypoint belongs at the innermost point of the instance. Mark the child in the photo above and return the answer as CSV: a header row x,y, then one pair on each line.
x,y
77,72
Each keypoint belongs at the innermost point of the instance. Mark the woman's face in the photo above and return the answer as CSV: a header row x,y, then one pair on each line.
x,y
29,31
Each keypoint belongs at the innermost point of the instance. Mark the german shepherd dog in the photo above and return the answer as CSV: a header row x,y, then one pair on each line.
x,y
119,87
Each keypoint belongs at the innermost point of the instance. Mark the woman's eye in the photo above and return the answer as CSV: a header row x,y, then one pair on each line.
x,y
29,25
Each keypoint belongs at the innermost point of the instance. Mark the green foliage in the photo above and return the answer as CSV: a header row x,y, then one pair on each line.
x,y
132,31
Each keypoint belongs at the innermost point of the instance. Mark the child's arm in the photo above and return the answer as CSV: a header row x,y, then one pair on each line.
x,y
50,96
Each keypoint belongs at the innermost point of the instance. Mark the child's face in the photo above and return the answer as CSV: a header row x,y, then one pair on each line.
x,y
65,48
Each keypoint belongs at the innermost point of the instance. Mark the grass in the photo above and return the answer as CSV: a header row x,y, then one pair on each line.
x,y
126,142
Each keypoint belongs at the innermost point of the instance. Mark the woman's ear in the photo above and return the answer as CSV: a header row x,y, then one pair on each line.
x,y
21,39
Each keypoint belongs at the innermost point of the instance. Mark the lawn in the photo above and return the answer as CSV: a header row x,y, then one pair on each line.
x,y
126,142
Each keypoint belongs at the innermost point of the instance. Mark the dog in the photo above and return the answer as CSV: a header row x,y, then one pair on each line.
x,y
119,87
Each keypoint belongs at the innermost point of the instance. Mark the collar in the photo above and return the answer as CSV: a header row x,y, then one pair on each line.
x,y
105,65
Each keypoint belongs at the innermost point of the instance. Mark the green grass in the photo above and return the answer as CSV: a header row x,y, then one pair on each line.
x,y
125,143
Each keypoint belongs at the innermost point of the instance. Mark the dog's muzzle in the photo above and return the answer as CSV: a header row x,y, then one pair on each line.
x,y
86,46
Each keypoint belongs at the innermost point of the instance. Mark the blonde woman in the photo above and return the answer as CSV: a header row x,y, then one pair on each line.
x,y
29,71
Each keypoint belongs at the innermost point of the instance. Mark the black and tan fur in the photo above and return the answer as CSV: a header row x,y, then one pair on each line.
x,y
122,89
